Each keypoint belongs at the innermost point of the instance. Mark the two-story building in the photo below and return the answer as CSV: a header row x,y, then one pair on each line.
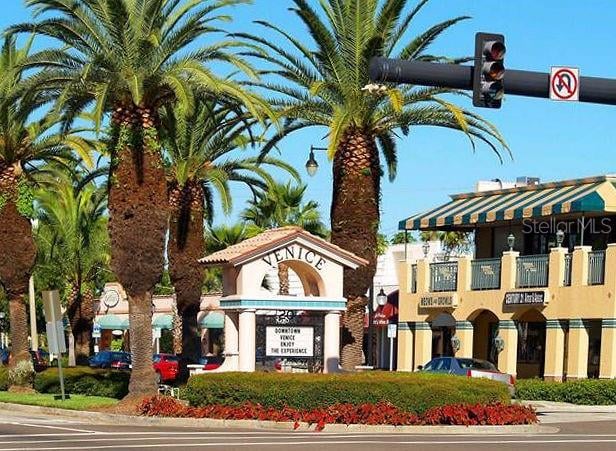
x,y
539,297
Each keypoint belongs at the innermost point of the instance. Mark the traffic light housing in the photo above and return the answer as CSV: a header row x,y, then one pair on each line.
x,y
489,72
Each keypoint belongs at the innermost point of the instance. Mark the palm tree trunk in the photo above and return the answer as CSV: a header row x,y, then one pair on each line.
x,y
80,313
20,349
283,279
138,220
143,377
17,257
186,247
177,331
355,221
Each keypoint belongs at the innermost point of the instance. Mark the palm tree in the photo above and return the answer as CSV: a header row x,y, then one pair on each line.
x,y
73,243
325,76
130,58
199,169
25,145
282,205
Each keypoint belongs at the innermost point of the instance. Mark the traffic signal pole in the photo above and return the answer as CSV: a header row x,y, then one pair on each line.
x,y
517,82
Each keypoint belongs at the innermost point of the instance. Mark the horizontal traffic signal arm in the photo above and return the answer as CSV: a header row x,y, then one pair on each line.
x,y
517,82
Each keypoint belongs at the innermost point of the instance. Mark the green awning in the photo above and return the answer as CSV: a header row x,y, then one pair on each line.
x,y
163,322
592,195
213,320
112,322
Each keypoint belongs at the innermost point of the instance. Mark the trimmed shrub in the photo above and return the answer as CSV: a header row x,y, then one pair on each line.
x,y
410,392
22,374
4,378
585,391
84,381
381,413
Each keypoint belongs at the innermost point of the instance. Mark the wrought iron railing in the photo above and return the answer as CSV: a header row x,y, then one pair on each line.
x,y
568,269
596,268
485,274
414,278
444,276
532,271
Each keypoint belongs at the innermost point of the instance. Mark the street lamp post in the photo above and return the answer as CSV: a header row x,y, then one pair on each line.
x,y
426,249
560,237
312,165
511,241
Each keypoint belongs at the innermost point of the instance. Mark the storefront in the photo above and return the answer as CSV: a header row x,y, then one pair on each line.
x,y
111,324
539,296
276,332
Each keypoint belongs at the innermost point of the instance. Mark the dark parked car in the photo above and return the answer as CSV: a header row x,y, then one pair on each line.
x,y
39,360
122,362
104,359
470,368
4,356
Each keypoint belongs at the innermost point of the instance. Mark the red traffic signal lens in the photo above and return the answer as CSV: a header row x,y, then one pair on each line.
x,y
495,50
494,70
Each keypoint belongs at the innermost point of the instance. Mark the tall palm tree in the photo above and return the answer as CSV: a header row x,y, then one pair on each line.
x,y
73,243
282,205
130,58
200,169
25,144
325,74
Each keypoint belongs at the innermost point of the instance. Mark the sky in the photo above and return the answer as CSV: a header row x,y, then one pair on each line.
x,y
548,139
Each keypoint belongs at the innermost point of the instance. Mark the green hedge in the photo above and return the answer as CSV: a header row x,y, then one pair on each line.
x,y
412,392
585,391
84,381
4,378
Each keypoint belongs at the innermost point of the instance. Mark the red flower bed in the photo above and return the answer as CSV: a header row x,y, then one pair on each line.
x,y
381,413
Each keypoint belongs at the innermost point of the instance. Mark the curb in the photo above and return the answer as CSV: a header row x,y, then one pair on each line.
x,y
208,423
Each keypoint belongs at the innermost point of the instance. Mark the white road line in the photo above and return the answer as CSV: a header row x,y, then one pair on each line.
x,y
53,427
330,442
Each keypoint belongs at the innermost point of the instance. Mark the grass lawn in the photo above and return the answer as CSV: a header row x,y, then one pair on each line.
x,y
77,402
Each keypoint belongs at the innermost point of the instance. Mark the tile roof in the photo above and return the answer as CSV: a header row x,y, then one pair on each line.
x,y
270,239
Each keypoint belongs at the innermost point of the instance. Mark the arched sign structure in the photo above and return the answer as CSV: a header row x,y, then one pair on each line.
x,y
319,266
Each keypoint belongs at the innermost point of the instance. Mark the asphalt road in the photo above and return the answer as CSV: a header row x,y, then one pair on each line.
x,y
40,432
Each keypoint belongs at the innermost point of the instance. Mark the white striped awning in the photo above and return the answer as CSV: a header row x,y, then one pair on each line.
x,y
597,194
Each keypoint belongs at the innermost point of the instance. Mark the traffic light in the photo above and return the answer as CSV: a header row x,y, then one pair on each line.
x,y
488,86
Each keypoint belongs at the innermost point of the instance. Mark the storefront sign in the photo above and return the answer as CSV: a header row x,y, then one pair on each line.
x,y
380,319
289,341
295,252
435,301
525,298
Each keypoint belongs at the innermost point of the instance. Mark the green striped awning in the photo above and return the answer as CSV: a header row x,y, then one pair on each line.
x,y
597,194
163,322
112,322
212,320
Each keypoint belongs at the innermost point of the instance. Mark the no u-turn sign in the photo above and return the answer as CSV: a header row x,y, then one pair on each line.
x,y
565,83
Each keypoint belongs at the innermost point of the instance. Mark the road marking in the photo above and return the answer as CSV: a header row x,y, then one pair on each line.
x,y
53,427
329,442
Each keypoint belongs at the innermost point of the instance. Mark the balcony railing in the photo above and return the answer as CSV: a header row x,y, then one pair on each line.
x,y
532,271
568,270
414,278
596,268
444,276
485,274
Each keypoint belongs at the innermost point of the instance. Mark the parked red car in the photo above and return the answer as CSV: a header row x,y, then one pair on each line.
x,y
167,367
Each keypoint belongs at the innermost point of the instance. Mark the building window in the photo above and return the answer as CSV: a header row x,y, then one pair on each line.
x,y
531,342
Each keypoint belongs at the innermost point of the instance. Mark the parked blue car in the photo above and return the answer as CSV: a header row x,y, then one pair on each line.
x,y
468,367
104,359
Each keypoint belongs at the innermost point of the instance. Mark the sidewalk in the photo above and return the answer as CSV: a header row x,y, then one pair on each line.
x,y
561,412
